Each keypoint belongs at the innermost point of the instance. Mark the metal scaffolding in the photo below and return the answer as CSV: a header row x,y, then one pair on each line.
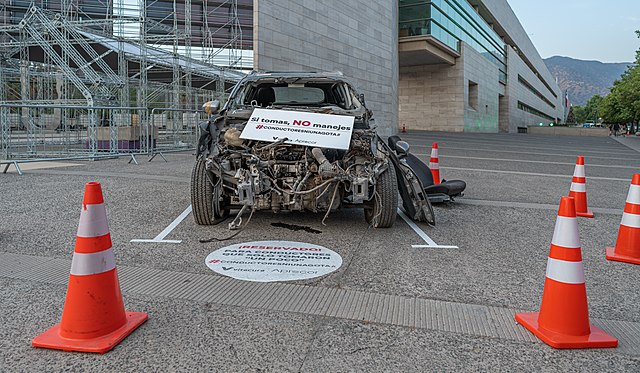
x,y
138,57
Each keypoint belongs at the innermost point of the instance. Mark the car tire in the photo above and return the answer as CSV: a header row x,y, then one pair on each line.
x,y
383,212
206,197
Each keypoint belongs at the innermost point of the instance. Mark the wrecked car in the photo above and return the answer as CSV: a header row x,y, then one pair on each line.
x,y
283,163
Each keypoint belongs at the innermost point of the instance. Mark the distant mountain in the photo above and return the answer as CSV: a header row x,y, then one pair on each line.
x,y
584,79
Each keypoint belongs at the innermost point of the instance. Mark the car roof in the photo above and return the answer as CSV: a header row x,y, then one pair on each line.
x,y
332,75
297,74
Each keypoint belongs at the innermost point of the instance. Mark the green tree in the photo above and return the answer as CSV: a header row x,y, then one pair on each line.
x,y
571,117
592,108
580,113
589,112
623,103
612,109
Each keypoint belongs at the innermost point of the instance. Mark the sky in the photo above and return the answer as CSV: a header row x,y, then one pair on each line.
x,y
601,30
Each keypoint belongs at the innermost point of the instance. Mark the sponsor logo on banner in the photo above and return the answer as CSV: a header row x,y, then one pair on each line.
x,y
267,261
300,128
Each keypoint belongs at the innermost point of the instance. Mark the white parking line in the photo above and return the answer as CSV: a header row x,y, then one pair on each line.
x,y
530,173
521,145
528,161
572,156
431,244
525,205
160,237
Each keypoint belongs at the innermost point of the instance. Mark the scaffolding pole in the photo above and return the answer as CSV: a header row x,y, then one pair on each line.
x,y
111,54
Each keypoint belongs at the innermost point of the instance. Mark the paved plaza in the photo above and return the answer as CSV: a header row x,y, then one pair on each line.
x,y
389,307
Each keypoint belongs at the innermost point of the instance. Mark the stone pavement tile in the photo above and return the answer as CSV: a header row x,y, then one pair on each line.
x,y
632,142
347,346
190,336
179,336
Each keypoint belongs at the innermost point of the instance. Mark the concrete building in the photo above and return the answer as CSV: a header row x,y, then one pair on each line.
x,y
444,65
470,66
358,38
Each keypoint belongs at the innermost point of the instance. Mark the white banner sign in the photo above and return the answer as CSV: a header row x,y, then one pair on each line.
x,y
267,261
300,128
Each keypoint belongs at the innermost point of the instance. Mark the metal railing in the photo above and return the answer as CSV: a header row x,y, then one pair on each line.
x,y
42,132
177,130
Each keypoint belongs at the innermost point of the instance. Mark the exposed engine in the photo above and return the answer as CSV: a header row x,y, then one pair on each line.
x,y
284,177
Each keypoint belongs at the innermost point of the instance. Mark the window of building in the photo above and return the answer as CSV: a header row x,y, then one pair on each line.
x,y
473,95
535,91
524,107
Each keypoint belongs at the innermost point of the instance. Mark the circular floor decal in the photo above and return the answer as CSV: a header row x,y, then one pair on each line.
x,y
266,261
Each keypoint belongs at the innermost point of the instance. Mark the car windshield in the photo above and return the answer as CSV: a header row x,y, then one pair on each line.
x,y
318,93
298,95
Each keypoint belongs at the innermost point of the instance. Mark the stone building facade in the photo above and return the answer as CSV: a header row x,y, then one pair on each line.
x,y
439,65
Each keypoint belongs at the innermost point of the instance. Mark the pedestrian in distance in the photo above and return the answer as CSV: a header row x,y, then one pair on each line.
x,y
616,128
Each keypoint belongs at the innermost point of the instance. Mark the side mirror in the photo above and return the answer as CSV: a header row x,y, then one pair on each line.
x,y
402,147
211,107
361,98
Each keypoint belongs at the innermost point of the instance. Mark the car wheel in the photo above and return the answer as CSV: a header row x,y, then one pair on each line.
x,y
383,212
206,195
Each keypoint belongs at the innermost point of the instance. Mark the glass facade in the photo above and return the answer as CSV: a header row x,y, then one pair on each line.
x,y
452,21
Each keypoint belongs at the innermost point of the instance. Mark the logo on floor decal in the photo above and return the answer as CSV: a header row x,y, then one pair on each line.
x,y
267,261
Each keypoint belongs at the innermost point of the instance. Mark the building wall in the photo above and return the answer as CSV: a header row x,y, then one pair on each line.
x,y
432,98
508,21
518,92
359,38
484,118
503,112
436,97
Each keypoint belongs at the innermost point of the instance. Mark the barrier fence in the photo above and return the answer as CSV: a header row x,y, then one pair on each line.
x,y
31,132
177,129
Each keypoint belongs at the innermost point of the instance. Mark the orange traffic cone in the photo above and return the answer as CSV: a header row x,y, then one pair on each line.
x,y
433,163
93,319
579,189
627,247
563,320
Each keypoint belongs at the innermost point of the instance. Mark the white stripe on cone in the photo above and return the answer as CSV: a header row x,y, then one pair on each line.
x,y
634,194
566,233
579,171
434,153
434,166
565,271
92,264
579,187
93,221
630,220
